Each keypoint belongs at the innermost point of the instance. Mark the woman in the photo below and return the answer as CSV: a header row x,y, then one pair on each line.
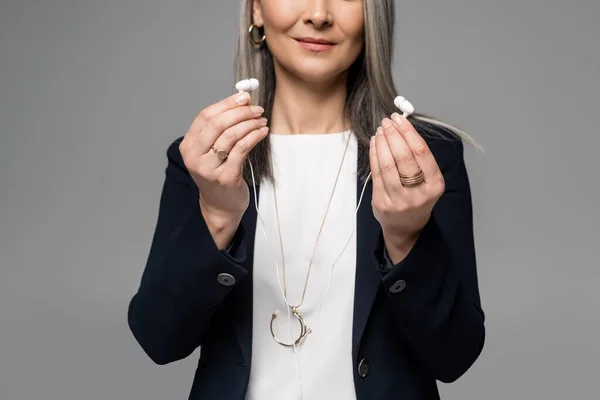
x,y
377,303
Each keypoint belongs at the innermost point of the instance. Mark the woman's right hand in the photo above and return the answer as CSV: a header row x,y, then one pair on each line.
x,y
234,126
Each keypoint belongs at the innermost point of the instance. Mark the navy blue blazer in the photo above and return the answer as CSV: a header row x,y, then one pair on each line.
x,y
416,323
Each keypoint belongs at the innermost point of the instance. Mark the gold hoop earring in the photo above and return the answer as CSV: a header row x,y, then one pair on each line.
x,y
251,36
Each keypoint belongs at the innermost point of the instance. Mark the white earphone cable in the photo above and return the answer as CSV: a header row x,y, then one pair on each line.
x,y
252,84
263,228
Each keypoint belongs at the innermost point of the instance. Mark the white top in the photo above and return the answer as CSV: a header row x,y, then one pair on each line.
x,y
305,168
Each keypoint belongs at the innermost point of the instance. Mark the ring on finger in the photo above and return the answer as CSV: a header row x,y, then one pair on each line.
x,y
413,180
221,154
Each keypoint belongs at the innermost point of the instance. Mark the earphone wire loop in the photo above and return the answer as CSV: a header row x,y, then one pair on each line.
x,y
309,329
306,329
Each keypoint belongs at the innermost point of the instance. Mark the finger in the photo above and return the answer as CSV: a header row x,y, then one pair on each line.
x,y
230,137
229,103
387,164
242,147
221,122
419,148
405,162
378,187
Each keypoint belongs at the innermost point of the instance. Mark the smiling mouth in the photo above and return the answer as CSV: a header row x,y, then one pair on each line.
x,y
315,45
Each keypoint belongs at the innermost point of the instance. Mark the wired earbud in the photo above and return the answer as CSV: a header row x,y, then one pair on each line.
x,y
404,105
247,85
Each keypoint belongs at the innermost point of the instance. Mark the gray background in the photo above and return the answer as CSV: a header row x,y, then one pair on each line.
x,y
92,93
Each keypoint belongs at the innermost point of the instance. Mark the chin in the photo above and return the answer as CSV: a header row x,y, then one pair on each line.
x,y
316,72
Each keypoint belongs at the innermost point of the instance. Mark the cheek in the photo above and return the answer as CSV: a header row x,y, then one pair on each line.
x,y
355,44
279,15
353,26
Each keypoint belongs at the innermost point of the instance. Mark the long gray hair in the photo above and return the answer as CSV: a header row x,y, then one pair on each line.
x,y
370,86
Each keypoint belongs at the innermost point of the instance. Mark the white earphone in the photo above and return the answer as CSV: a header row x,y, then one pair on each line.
x,y
247,85
407,109
404,105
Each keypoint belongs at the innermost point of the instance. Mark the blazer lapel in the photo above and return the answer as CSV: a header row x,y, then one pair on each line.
x,y
368,278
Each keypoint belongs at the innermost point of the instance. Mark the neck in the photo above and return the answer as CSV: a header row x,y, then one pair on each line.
x,y
301,107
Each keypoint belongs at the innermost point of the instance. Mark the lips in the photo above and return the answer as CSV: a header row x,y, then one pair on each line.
x,y
315,44
314,40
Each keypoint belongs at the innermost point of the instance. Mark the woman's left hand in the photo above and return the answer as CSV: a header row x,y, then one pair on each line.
x,y
402,211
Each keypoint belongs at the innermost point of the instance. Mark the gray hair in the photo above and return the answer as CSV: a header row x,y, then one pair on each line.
x,y
370,87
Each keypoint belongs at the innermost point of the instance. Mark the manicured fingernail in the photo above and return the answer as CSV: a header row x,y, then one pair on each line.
x,y
263,120
397,118
242,98
386,123
379,131
265,129
372,140
257,110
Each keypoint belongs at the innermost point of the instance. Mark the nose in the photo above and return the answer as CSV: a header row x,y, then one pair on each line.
x,y
318,13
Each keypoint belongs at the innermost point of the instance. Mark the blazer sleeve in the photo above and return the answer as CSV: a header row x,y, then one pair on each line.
x,y
434,291
179,289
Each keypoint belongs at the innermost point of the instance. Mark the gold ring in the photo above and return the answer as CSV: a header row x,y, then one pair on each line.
x,y
222,154
412,180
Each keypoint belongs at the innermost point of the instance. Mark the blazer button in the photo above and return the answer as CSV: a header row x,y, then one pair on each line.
x,y
226,279
398,286
363,368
